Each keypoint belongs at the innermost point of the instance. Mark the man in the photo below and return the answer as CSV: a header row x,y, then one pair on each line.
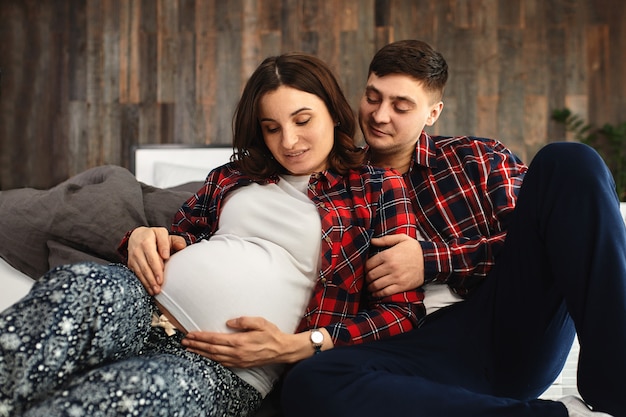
x,y
514,262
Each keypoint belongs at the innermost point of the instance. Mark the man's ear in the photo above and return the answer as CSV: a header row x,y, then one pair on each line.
x,y
435,111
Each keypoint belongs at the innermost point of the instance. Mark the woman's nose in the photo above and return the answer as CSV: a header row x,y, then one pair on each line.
x,y
289,138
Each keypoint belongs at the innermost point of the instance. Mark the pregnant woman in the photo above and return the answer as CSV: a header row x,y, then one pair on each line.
x,y
262,267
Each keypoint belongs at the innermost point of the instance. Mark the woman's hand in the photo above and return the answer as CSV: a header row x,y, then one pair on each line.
x,y
256,342
148,249
396,269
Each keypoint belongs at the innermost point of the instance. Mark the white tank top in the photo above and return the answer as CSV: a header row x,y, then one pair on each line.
x,y
263,261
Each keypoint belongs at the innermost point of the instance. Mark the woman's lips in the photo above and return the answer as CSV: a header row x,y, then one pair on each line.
x,y
295,154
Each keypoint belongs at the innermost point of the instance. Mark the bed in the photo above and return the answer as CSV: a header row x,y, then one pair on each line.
x,y
71,222
38,228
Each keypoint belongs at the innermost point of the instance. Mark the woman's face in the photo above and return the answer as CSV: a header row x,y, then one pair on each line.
x,y
297,129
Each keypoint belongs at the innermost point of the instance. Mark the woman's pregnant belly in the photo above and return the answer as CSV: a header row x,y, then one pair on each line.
x,y
226,277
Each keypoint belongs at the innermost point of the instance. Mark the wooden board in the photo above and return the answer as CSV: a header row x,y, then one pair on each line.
x,y
82,82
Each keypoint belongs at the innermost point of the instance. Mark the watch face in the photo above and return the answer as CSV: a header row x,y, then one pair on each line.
x,y
317,336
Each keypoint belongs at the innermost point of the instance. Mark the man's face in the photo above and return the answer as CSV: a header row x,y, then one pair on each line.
x,y
393,112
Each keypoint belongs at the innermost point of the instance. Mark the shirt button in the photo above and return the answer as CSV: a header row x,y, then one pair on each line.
x,y
322,204
323,281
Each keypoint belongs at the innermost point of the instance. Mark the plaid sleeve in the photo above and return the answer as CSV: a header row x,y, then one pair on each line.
x,y
196,219
383,317
486,178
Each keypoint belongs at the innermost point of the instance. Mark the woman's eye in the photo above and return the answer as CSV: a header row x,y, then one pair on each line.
x,y
303,122
271,129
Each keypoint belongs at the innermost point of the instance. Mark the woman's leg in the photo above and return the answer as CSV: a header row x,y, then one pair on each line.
x,y
74,318
164,381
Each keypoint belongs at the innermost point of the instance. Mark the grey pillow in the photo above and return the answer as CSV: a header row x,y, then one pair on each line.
x,y
60,254
89,212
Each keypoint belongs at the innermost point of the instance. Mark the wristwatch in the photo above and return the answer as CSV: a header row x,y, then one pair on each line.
x,y
317,339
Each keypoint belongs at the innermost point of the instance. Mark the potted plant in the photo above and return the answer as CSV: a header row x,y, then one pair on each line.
x,y
609,140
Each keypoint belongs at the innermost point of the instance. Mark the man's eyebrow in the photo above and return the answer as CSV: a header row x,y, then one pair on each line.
x,y
371,88
394,98
300,110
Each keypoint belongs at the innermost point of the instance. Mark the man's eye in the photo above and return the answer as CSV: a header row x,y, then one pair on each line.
x,y
372,100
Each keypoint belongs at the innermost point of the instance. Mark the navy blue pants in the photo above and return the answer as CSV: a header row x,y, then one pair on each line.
x,y
561,272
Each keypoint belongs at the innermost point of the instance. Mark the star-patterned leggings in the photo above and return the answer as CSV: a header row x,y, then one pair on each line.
x,y
81,344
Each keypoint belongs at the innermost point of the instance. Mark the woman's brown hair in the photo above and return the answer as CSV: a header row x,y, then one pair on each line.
x,y
305,73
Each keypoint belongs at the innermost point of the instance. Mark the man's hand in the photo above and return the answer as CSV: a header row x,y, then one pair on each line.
x,y
148,249
396,269
257,342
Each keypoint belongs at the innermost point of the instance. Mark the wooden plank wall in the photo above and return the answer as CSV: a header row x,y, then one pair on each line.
x,y
83,81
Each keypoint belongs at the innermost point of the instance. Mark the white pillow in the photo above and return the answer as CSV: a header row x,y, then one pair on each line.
x,y
15,284
170,175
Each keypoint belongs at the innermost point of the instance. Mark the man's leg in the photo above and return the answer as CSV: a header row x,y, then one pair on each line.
x,y
440,369
567,241
509,340
444,368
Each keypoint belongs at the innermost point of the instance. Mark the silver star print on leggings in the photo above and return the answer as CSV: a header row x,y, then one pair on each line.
x,y
80,344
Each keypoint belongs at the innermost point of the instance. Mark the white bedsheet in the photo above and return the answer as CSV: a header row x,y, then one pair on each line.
x,y
14,284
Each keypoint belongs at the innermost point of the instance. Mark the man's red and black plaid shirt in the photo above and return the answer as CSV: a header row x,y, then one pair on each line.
x,y
463,190
353,208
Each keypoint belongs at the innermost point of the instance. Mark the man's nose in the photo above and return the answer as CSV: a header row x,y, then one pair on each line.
x,y
382,113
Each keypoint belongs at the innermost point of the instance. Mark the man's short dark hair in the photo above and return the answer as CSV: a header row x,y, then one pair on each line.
x,y
414,58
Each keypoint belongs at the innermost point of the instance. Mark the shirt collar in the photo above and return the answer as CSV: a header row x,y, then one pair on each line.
x,y
331,177
425,152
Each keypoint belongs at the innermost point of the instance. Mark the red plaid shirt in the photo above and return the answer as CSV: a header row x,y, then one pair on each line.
x,y
464,191
353,209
